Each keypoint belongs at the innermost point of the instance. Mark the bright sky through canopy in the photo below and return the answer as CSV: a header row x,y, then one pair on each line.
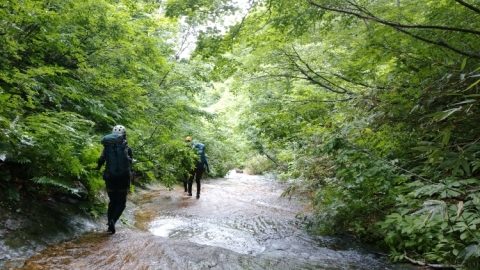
x,y
188,38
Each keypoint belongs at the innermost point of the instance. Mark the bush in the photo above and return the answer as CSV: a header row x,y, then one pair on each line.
x,y
258,164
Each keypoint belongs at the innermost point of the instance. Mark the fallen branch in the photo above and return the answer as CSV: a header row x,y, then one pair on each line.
x,y
432,265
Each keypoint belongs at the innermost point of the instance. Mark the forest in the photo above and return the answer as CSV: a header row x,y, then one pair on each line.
x,y
369,110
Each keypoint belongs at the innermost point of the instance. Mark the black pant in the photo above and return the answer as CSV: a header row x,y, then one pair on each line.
x,y
116,205
197,175
185,182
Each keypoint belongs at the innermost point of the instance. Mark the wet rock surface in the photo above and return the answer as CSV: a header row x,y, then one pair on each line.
x,y
238,223
35,225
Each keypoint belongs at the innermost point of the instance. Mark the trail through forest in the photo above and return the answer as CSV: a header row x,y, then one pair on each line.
x,y
240,222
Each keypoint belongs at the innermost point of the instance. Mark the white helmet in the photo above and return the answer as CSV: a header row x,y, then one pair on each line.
x,y
119,130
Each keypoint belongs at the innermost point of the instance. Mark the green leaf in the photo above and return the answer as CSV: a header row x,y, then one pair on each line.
x,y
43,180
459,209
468,101
440,116
446,135
472,85
464,63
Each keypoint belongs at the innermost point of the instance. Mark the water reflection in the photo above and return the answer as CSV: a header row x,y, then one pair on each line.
x,y
207,233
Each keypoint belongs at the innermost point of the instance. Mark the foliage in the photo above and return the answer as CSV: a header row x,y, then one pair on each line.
x,y
226,146
69,71
372,107
258,165
197,10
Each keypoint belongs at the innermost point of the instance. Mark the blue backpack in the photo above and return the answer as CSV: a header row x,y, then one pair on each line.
x,y
116,155
200,148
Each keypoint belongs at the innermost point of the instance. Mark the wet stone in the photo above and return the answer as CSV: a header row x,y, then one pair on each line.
x,y
13,224
3,255
279,246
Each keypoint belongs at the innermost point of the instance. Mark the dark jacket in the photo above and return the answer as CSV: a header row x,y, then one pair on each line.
x,y
118,171
202,162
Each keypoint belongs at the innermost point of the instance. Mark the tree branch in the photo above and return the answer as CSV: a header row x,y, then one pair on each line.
x,y
319,100
288,76
401,28
164,77
370,16
183,44
440,43
357,83
339,76
312,79
469,6
239,26
436,266
317,74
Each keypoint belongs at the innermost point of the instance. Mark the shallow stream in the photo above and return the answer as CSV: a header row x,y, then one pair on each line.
x,y
240,222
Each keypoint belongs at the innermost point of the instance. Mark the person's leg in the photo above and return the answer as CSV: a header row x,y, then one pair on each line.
x,y
118,200
111,205
120,203
190,183
111,211
198,176
185,183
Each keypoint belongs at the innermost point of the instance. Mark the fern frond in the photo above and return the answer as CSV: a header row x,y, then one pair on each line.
x,y
47,181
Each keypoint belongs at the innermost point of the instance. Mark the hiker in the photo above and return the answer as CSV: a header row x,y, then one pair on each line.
x,y
186,160
118,158
200,166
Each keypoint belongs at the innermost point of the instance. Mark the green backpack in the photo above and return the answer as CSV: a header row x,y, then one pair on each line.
x,y
116,155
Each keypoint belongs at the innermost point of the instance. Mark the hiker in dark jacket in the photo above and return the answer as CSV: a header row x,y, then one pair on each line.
x,y
200,166
186,162
118,158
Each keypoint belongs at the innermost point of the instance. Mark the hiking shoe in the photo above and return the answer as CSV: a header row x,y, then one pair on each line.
x,y
198,196
190,194
111,227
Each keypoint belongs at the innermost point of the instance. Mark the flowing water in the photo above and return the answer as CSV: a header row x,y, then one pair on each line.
x,y
240,222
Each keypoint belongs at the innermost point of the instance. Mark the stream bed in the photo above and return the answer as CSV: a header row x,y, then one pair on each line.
x,y
240,222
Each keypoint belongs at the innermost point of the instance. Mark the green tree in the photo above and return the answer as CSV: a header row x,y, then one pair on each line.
x,y
372,107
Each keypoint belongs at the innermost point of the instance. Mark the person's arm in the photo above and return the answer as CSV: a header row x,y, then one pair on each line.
x,y
130,161
130,155
206,164
101,160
